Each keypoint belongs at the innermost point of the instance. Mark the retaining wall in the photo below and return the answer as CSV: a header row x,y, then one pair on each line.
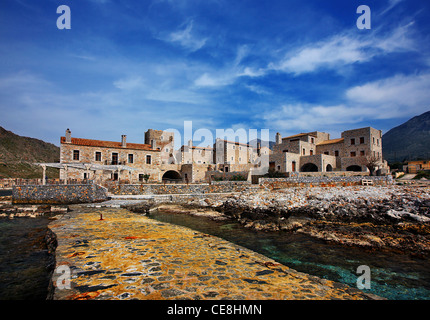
x,y
218,187
323,181
58,194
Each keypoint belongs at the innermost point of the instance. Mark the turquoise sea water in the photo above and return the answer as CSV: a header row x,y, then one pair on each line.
x,y
24,257
393,276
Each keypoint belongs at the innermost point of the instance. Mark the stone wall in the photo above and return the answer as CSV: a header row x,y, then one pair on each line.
x,y
58,194
322,181
214,187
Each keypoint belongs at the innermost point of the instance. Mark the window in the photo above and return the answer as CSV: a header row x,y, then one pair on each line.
x,y
286,150
140,177
336,153
148,159
98,156
373,140
85,176
312,140
75,154
167,149
362,153
361,140
353,154
304,152
279,168
114,158
353,141
130,158
311,152
377,142
326,152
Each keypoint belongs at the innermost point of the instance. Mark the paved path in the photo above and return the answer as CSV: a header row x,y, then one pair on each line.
x,y
129,256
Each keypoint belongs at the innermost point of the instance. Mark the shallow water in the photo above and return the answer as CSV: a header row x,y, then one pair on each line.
x,y
23,259
5,192
393,276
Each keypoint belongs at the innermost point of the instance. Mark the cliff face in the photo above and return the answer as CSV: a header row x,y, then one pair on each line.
x,y
409,141
17,155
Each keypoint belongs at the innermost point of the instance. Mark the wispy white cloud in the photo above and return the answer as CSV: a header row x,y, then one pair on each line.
x,y
230,72
130,83
391,5
394,97
344,49
338,50
398,96
187,38
333,53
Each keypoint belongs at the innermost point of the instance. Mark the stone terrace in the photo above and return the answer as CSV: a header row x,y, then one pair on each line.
x,y
129,256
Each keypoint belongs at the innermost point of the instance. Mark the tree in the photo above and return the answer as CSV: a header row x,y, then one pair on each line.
x,y
371,162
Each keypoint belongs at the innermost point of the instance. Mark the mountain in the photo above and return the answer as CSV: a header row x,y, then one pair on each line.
x,y
409,141
253,143
17,155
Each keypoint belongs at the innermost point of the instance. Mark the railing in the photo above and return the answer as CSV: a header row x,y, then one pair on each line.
x,y
114,163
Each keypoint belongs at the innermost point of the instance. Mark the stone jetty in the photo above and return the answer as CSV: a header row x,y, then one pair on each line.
x,y
113,253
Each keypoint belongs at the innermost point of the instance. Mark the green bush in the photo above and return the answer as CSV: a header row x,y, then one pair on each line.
x,y
237,177
274,174
422,174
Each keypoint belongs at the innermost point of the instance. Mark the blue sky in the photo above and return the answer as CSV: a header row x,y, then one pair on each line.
x,y
289,66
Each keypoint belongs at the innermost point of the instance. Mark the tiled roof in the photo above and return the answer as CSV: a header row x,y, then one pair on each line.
x,y
322,143
204,148
300,135
107,144
237,143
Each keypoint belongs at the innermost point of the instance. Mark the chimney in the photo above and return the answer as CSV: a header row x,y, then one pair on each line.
x,y
278,138
68,136
123,141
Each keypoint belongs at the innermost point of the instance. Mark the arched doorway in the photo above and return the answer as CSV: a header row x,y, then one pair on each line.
x,y
329,168
354,168
172,176
309,167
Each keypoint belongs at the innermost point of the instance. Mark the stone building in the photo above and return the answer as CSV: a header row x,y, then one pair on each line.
x,y
107,160
230,152
190,154
163,140
417,165
316,152
100,160
157,161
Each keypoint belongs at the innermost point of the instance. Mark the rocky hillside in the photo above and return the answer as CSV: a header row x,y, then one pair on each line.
x,y
17,155
409,141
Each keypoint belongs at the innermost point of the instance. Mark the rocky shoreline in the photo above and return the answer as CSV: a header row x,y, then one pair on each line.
x,y
393,218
